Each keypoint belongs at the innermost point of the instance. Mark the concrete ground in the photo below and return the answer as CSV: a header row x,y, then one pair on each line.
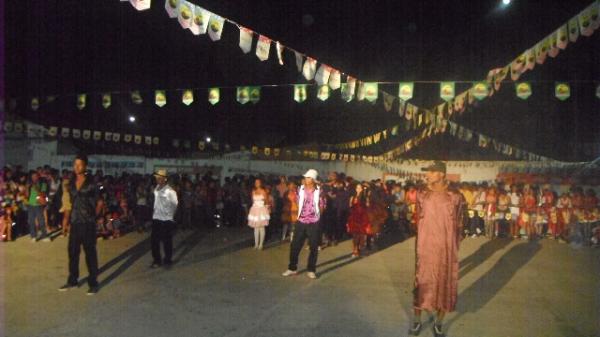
x,y
220,286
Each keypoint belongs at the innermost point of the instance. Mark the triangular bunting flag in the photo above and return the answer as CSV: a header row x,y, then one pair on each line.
x,y
254,94
106,100
136,97
214,95
334,79
405,90
243,95
116,137
323,93
148,140
322,75
530,59
107,136
562,91
401,107
127,138
523,90
81,101
480,90
541,51
160,98
155,140
97,135
309,69
594,14
200,22
388,101
371,91
76,133
263,46
299,92
279,48
245,40
447,91
187,97
171,6
185,14
215,27
87,134
64,132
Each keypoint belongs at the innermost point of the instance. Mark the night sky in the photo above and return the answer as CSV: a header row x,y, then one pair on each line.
x,y
67,47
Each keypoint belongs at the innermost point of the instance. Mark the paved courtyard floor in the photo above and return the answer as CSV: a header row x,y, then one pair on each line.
x,y
220,286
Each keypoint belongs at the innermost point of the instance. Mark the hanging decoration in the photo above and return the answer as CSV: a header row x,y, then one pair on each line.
x,y
81,101
254,94
243,95
523,89
263,47
171,6
245,39
136,97
35,103
323,92
447,91
405,90
371,91
140,5
160,98
106,100
187,97
214,95
215,27
309,69
185,14
299,92
562,91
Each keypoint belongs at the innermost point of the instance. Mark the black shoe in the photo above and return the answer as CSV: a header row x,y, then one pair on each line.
x,y
168,264
437,330
415,329
66,287
155,265
92,291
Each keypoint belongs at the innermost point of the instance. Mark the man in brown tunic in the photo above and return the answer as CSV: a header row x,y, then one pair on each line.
x,y
439,223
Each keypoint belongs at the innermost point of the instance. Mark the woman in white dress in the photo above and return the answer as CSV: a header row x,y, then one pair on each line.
x,y
259,214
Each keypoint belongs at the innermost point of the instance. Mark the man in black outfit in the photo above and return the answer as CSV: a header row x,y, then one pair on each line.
x,y
84,196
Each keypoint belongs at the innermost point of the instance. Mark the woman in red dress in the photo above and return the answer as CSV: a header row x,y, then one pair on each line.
x,y
530,209
358,221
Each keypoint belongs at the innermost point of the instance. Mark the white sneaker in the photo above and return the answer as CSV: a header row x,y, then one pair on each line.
x,y
34,240
311,275
289,273
46,240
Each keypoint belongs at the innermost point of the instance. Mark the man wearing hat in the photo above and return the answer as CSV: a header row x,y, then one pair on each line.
x,y
439,223
165,204
311,204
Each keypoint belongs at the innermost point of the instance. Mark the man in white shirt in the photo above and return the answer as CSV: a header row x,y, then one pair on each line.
x,y
165,205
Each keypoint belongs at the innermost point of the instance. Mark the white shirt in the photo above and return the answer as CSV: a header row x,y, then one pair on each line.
x,y
165,203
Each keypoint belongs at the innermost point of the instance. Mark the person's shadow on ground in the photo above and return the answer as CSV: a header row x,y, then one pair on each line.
x,y
484,252
478,294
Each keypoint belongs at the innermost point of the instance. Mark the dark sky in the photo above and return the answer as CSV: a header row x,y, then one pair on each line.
x,y
66,47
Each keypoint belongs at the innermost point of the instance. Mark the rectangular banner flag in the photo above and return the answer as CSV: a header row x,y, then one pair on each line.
x,y
562,36
360,91
187,97
573,29
523,90
97,135
254,94
585,20
245,40
172,8
405,90
279,48
348,89
263,46
106,100
160,98
214,95
298,61
140,5
530,59
186,14
299,92
480,90
371,91
309,69
87,134
215,27
200,22
81,101
136,97
243,95
447,92
334,79
322,75
323,93
562,91
127,138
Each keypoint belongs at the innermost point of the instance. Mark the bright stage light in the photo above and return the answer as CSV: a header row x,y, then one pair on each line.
x,y
506,2
132,119
208,139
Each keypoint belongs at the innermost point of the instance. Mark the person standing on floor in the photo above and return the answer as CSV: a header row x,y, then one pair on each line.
x,y
259,214
311,204
439,224
163,224
84,196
